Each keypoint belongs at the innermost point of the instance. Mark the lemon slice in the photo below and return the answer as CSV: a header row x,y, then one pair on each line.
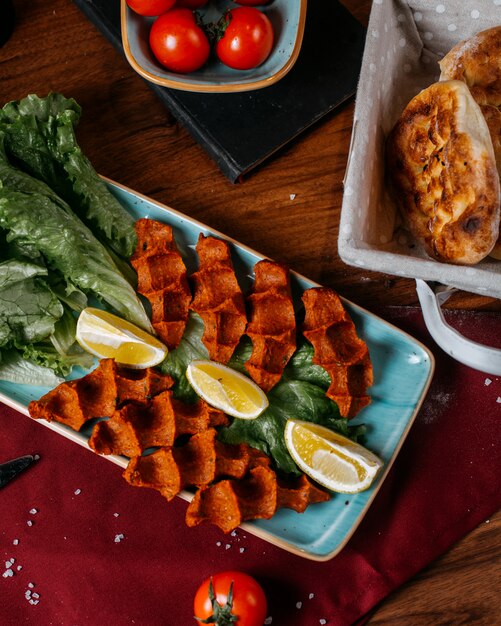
x,y
108,336
227,390
330,459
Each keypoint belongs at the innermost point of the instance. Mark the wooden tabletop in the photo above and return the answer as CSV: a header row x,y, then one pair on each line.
x,y
131,138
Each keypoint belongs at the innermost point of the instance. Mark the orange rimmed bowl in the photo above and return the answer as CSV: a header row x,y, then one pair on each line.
x,y
287,17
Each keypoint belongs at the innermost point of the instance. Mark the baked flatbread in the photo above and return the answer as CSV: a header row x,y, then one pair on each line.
x,y
442,170
477,62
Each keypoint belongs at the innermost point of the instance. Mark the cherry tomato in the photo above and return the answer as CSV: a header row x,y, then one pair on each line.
x,y
250,3
178,42
230,594
247,39
150,8
191,4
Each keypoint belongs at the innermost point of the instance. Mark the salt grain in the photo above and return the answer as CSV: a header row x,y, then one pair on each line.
x,y
241,550
15,542
29,522
227,546
299,605
322,621
218,544
8,573
268,620
119,537
498,399
33,511
487,382
19,568
33,598
292,196
78,492
116,514
311,596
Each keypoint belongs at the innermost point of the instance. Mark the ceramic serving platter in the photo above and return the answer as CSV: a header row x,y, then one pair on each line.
x,y
403,369
287,18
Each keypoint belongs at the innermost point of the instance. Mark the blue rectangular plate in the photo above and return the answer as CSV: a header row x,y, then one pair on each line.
x,y
403,369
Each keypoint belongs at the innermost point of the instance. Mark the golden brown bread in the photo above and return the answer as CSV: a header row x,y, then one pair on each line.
x,y
442,169
477,62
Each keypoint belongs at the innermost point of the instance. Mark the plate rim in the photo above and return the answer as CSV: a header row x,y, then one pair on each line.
x,y
264,534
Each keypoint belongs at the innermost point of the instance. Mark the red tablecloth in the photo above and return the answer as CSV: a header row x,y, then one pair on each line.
x,y
85,548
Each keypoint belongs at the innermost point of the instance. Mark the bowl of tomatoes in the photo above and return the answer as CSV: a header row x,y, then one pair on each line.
x,y
212,46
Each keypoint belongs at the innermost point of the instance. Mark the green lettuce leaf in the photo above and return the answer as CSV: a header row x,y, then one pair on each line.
x,y
69,295
40,138
33,321
32,219
15,369
46,354
301,367
190,349
29,310
64,342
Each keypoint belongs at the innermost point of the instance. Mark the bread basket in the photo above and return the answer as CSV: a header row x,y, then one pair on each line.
x,y
405,41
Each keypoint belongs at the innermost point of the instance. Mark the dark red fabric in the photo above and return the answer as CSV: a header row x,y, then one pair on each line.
x,y
445,481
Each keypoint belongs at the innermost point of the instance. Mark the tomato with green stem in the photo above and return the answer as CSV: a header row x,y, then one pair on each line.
x,y
230,598
244,38
179,42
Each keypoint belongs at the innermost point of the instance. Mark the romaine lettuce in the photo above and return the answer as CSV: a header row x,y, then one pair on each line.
x,y
33,321
15,369
40,137
34,220
28,308
176,362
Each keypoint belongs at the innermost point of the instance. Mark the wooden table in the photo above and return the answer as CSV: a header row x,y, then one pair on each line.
x,y
132,139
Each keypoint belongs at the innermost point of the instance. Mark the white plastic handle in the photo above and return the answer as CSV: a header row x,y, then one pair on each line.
x,y
471,353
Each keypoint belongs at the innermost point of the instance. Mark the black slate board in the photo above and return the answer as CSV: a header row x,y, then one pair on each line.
x,y
240,130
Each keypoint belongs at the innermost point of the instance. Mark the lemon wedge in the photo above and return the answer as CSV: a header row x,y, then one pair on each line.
x,y
330,459
108,336
226,389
